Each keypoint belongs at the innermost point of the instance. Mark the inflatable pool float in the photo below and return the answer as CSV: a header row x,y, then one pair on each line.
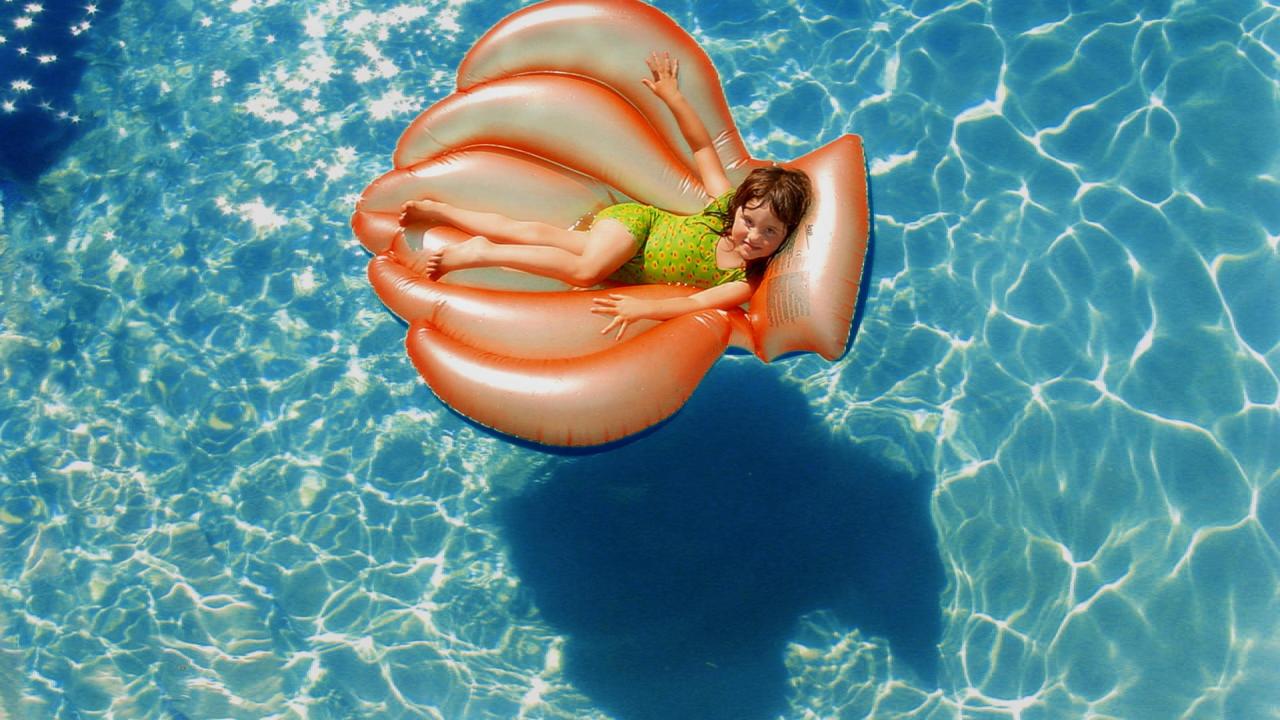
x,y
550,122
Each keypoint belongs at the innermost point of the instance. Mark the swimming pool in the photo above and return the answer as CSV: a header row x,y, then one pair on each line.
x,y
1052,450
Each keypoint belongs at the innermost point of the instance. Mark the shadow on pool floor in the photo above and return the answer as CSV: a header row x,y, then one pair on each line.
x,y
678,565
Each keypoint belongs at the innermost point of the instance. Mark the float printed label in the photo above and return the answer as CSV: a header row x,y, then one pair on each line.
x,y
788,298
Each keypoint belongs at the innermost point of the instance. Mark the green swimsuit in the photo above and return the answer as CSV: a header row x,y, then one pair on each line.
x,y
673,249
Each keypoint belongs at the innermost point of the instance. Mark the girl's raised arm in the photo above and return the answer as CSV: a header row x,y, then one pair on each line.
x,y
665,84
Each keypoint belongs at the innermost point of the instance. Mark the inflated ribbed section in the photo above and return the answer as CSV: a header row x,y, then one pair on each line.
x,y
567,120
588,400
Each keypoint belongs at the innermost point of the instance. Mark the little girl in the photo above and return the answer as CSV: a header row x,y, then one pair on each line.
x,y
634,243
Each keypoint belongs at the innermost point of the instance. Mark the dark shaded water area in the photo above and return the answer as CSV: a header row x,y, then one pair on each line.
x,y
41,64
679,579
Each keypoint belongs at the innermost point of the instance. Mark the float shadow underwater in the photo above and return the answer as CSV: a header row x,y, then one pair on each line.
x,y
678,565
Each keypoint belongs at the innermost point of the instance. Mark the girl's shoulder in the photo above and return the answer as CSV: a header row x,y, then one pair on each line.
x,y
720,205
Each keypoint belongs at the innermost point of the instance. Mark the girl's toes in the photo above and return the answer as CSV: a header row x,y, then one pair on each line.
x,y
425,263
434,265
415,211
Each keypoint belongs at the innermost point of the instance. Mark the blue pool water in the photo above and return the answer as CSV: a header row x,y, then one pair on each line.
x,y
1044,483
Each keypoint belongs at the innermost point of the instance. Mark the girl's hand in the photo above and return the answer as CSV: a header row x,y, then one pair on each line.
x,y
666,75
623,309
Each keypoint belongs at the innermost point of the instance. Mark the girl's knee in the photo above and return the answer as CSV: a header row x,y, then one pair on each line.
x,y
586,273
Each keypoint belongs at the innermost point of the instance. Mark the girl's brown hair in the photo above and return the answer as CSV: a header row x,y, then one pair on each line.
x,y
788,193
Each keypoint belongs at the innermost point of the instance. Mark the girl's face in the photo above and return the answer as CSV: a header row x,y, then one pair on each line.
x,y
757,232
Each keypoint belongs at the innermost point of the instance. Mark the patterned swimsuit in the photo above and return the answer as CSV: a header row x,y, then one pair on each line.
x,y
673,249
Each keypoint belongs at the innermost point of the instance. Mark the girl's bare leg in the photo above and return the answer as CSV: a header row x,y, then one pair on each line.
x,y
496,227
608,247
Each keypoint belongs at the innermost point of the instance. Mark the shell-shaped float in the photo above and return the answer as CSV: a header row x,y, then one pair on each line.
x,y
550,122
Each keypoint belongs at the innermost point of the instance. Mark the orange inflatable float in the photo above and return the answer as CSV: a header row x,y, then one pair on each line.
x,y
550,122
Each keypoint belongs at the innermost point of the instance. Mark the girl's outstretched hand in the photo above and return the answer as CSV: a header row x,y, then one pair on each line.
x,y
623,309
666,75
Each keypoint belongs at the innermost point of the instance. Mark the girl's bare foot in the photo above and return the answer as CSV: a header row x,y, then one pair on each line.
x,y
469,253
423,262
417,212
